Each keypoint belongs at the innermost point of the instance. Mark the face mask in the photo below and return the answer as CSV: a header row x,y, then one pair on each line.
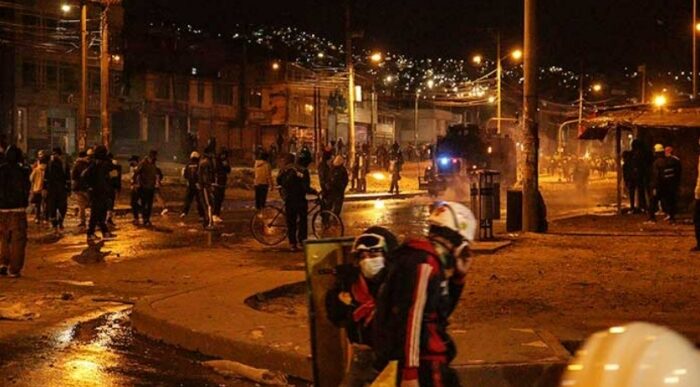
x,y
371,266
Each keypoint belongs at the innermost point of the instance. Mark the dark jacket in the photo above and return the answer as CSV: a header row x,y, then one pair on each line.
x,y
205,173
222,169
324,175
657,172
339,181
97,178
672,172
296,183
115,176
14,181
402,331
79,167
190,173
146,174
57,178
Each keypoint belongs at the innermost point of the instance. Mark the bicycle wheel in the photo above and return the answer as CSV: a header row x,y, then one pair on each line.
x,y
269,225
326,224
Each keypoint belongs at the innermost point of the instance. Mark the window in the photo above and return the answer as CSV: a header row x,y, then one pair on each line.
x,y
182,90
200,92
255,98
51,76
223,94
162,87
28,74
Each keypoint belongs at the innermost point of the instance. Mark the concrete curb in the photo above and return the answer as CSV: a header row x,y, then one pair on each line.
x,y
277,351
512,375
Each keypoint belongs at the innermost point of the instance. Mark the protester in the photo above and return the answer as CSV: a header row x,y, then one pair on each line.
x,y
38,187
222,169
296,183
363,171
205,180
57,183
191,175
671,184
145,178
395,169
262,180
14,194
641,170
158,193
97,178
355,173
115,179
628,178
135,200
422,287
696,213
657,181
338,183
350,304
79,189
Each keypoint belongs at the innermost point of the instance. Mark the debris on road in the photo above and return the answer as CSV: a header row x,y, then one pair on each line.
x,y
73,283
16,312
236,369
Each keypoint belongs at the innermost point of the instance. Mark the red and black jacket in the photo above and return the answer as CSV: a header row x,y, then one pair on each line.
x,y
413,306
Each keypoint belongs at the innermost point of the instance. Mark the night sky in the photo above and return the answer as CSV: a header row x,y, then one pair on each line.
x,y
600,35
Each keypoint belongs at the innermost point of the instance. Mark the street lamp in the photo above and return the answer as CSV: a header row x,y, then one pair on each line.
x,y
660,101
65,8
517,54
430,83
275,66
597,87
477,59
376,57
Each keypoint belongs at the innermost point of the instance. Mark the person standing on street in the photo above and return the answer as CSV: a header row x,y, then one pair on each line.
x,y
262,180
97,178
422,288
115,179
190,173
205,180
395,170
658,184
77,186
338,184
671,184
145,178
57,183
296,183
696,212
38,187
222,170
135,201
14,194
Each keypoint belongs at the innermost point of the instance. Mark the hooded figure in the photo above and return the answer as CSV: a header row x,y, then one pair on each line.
x,y
57,183
97,178
262,180
339,181
14,192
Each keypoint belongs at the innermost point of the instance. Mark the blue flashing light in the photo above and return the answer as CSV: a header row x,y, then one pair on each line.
x,y
444,161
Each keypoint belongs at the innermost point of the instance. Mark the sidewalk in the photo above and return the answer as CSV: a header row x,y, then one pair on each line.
x,y
488,354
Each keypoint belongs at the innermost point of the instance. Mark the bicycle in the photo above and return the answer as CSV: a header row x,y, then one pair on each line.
x,y
269,224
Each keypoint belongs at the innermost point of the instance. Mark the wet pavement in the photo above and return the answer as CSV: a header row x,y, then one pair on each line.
x,y
103,352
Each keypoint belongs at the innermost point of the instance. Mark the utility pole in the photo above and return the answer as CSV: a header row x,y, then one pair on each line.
x,y
104,77
81,137
531,210
499,76
695,49
580,112
415,121
351,82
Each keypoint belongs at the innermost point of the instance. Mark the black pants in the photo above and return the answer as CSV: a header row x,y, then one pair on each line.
x,y
135,204
297,221
335,203
261,195
641,191
669,200
696,220
146,198
435,374
56,207
98,214
394,185
219,195
193,194
206,197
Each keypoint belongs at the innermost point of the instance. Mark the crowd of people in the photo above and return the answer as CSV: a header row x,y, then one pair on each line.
x,y
393,300
572,169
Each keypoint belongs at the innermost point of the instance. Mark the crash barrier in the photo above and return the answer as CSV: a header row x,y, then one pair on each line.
x,y
486,199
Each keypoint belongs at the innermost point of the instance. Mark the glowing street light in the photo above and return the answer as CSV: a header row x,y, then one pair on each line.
x,y
320,55
492,99
376,57
597,87
660,101
517,54
65,8
389,79
477,59
697,27
275,66
431,83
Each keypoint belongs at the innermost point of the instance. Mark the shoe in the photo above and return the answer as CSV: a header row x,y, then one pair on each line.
x,y
164,212
209,227
293,248
3,270
694,249
92,238
148,223
14,275
217,219
108,236
182,215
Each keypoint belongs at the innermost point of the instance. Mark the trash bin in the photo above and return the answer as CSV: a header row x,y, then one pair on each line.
x,y
485,200
514,210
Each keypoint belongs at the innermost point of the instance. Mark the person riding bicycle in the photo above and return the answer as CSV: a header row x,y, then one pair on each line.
x,y
296,183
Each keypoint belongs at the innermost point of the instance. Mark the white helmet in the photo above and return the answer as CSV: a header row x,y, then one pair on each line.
x,y
194,155
638,354
456,217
